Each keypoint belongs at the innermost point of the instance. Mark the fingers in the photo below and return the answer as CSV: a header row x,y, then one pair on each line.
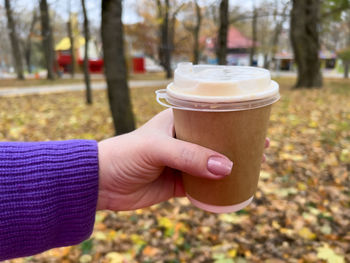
x,y
191,158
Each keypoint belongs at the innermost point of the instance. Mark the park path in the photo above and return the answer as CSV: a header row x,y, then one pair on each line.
x,y
47,89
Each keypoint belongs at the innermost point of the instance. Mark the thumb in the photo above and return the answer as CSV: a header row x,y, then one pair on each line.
x,y
191,158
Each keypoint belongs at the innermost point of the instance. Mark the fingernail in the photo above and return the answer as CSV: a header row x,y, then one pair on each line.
x,y
267,142
219,166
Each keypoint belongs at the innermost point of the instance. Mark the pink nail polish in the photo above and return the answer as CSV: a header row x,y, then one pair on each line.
x,y
219,166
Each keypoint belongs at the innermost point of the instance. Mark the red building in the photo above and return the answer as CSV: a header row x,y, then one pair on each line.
x,y
64,58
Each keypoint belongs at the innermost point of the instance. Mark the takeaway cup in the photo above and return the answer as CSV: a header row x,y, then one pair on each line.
x,y
226,109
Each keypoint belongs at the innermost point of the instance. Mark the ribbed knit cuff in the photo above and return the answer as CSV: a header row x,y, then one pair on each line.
x,y
48,195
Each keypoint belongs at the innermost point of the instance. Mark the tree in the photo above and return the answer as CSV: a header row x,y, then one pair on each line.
x,y
166,33
194,29
254,34
86,55
16,51
164,47
305,19
278,27
222,35
336,18
115,66
344,55
71,40
28,41
47,39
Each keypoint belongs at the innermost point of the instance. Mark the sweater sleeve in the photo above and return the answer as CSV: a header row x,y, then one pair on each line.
x,y
48,195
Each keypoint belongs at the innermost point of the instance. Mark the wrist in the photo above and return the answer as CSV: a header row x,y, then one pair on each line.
x,y
102,198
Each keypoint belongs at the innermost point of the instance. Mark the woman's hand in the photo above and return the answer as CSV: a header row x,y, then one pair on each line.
x,y
141,168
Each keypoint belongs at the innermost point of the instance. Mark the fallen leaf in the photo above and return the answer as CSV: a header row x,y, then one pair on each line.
x,y
328,254
306,233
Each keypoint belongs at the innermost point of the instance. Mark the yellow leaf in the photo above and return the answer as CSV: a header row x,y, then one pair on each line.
x,y
283,192
288,147
293,157
286,231
232,253
302,186
85,259
326,253
111,235
99,235
165,222
265,175
232,218
114,257
275,224
313,124
138,240
345,155
306,233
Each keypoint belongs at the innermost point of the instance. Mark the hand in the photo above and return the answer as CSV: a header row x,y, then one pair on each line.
x,y
141,168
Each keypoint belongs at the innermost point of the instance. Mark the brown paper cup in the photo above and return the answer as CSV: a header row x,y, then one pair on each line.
x,y
239,135
226,109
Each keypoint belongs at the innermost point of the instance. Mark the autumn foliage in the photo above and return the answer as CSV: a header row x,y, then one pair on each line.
x,y
301,212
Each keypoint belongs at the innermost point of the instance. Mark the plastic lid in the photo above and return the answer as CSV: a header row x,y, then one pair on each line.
x,y
212,83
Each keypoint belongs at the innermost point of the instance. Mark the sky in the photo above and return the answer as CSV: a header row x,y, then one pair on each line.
x,y
94,8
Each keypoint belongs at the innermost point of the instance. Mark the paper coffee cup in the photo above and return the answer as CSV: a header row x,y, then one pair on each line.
x,y
226,109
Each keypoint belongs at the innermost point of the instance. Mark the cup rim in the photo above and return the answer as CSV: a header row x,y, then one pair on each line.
x,y
165,99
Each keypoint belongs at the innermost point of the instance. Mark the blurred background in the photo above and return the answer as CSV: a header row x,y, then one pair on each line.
x,y
88,69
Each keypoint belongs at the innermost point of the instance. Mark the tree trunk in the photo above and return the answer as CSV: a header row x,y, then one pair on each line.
x,y
165,45
46,33
115,66
196,33
71,40
160,32
305,42
86,55
346,69
171,40
72,55
277,31
16,51
254,36
222,37
28,43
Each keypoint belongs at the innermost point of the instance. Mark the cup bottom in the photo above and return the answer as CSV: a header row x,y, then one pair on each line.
x,y
220,209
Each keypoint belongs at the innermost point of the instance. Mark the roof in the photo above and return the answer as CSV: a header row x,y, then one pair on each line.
x,y
64,44
235,39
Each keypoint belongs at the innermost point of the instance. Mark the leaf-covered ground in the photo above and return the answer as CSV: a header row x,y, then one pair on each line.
x,y
301,211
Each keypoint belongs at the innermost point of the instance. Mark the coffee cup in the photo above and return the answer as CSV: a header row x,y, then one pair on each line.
x,y
226,109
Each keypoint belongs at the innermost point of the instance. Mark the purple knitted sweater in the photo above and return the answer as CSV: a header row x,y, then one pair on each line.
x,y
48,195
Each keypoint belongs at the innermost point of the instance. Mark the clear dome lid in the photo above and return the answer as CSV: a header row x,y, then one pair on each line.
x,y
212,83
